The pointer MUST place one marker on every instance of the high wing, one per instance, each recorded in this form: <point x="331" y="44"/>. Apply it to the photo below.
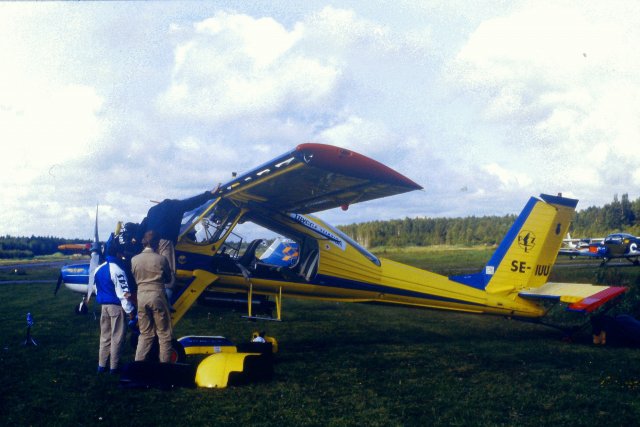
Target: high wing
<point x="579" y="297"/>
<point x="316" y="177"/>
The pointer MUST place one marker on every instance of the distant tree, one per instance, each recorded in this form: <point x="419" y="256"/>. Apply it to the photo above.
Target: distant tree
<point x="619" y="215"/>
<point x="27" y="247"/>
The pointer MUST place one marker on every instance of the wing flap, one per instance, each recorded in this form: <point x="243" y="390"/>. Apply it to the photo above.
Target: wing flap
<point x="581" y="297"/>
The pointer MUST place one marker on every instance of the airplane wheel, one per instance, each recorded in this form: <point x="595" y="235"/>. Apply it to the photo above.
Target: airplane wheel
<point x="177" y="354"/>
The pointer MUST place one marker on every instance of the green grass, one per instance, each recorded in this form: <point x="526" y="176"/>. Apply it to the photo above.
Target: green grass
<point x="43" y="258"/>
<point x="30" y="274"/>
<point x="338" y="364"/>
<point x="440" y="259"/>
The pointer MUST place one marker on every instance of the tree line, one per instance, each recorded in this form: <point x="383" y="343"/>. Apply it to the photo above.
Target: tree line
<point x="28" y="247"/>
<point x="619" y="215"/>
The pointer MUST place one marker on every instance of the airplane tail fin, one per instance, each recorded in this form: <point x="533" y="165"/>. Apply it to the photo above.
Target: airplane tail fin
<point x="530" y="248"/>
<point x="525" y="256"/>
<point x="522" y="263"/>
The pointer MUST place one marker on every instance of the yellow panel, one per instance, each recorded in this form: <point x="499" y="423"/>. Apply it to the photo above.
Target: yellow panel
<point x="202" y="279"/>
<point x="520" y="260"/>
<point x="213" y="372"/>
<point x="209" y="349"/>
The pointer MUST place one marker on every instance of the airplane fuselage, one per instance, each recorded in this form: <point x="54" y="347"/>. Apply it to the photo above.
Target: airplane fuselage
<point x="333" y="267"/>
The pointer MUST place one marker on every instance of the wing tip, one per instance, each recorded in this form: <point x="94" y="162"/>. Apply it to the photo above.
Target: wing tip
<point x="335" y="158"/>
<point x="590" y="303"/>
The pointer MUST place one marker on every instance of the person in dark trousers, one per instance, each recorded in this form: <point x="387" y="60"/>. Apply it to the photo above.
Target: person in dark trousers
<point x="165" y="219"/>
<point x="620" y="330"/>
<point x="112" y="291"/>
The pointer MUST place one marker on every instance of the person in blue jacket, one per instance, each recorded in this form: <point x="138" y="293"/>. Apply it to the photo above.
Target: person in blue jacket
<point x="113" y="293"/>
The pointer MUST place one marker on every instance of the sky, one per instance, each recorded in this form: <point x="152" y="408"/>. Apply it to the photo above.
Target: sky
<point x="117" y="104"/>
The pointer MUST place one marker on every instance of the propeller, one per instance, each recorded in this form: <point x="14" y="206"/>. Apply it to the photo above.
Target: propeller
<point x="55" y="292"/>
<point x="93" y="264"/>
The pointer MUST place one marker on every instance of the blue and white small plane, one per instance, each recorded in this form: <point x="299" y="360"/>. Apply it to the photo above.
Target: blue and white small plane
<point x="616" y="245"/>
<point x="79" y="277"/>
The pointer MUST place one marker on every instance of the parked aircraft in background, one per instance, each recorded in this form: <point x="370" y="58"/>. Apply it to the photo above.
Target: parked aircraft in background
<point x="616" y="245"/>
<point x="79" y="277"/>
<point x="75" y="248"/>
<point x="573" y="243"/>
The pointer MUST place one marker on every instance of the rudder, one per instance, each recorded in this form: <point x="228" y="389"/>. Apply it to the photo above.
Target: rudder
<point x="529" y="250"/>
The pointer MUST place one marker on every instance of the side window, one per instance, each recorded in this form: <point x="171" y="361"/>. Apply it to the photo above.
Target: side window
<point x="252" y="242"/>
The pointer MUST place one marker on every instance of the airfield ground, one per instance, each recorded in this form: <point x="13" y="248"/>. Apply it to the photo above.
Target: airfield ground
<point x="339" y="364"/>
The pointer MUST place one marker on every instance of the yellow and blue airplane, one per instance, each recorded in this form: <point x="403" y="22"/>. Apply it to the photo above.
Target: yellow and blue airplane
<point x="279" y="197"/>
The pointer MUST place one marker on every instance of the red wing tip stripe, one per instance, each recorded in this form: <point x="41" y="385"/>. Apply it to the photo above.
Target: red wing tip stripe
<point x="351" y="163"/>
<point x="594" y="301"/>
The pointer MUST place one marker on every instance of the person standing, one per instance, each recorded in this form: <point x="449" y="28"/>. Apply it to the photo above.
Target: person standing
<point x="165" y="219"/>
<point x="151" y="271"/>
<point x="112" y="292"/>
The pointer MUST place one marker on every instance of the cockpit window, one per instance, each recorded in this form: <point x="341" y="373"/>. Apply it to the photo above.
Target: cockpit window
<point x="208" y="223"/>
<point x="615" y="239"/>
<point x="371" y="257"/>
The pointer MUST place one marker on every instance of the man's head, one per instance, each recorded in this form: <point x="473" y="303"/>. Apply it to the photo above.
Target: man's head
<point x="150" y="240"/>
<point x="112" y="248"/>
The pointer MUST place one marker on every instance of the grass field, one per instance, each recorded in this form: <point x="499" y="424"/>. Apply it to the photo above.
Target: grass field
<point x="339" y="364"/>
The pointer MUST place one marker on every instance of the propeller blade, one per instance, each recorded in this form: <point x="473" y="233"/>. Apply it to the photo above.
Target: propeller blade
<point x="55" y="292"/>
<point x="95" y="260"/>
<point x="96" y="239"/>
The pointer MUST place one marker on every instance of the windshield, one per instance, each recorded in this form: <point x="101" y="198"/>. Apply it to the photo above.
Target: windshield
<point x="208" y="222"/>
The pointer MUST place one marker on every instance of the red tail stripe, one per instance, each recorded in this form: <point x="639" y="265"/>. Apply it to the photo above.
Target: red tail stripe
<point x="594" y="301"/>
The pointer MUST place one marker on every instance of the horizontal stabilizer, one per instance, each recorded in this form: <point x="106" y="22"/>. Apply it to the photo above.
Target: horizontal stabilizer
<point x="580" y="296"/>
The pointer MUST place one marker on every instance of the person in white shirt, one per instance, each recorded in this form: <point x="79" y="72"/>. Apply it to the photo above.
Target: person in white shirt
<point x="112" y="291"/>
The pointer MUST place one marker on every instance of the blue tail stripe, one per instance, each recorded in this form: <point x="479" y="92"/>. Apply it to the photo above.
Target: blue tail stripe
<point x="512" y="234"/>
<point x="482" y="279"/>
<point x="476" y="280"/>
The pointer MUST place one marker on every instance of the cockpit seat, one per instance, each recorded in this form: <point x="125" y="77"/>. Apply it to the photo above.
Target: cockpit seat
<point x="249" y="255"/>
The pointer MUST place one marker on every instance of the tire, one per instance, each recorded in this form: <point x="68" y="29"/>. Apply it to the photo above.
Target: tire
<point x="177" y="354"/>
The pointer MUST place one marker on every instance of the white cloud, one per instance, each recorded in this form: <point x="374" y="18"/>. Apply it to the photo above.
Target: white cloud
<point x="359" y="134"/>
<point x="42" y="129"/>
<point x="235" y="65"/>
<point x="477" y="105"/>
<point x="509" y="179"/>
<point x="561" y="77"/>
